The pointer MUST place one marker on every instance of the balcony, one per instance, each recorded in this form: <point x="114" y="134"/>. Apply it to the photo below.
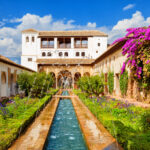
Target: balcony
<point x="81" y="42"/>
<point x="64" y="43"/>
<point x="47" y="43"/>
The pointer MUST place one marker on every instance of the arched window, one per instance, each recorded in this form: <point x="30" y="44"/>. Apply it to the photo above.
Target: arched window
<point x="49" y="54"/>
<point x="66" y="53"/>
<point x="77" y="53"/>
<point x="3" y="78"/>
<point x="83" y="54"/>
<point x="27" y="39"/>
<point x="60" y="54"/>
<point x="43" y="54"/>
<point x="32" y="39"/>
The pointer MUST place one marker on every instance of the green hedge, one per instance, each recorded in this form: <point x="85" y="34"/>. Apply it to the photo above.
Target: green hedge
<point x="23" y="111"/>
<point x="130" y="125"/>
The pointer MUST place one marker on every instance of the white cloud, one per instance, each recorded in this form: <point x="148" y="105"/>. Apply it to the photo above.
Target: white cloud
<point x="2" y="23"/>
<point x="129" y="6"/>
<point x="91" y="25"/>
<point x="119" y="30"/>
<point x="10" y="37"/>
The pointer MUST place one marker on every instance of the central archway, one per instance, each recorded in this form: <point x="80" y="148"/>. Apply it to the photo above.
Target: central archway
<point x="64" y="79"/>
<point x="77" y="76"/>
<point x="54" y="78"/>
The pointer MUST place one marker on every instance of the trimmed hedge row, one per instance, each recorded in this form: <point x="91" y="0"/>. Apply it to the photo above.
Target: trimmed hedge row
<point x="23" y="111"/>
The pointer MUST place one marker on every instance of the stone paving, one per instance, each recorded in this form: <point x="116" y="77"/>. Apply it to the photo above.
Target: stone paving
<point x="132" y="101"/>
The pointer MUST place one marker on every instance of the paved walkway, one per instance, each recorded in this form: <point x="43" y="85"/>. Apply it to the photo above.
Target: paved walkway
<point x="132" y="101"/>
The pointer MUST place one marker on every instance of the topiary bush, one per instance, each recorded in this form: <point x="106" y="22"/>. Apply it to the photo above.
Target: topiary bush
<point x="124" y="83"/>
<point x="110" y="81"/>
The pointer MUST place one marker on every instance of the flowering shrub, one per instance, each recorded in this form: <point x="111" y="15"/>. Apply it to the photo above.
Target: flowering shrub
<point x="137" y="49"/>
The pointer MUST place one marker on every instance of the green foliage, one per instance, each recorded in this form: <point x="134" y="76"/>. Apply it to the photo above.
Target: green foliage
<point x="25" y="82"/>
<point x="35" y="84"/>
<point x="127" y="123"/>
<point x="91" y="85"/>
<point x="124" y="82"/>
<point x="145" y="121"/>
<point x="23" y="110"/>
<point x="97" y="85"/>
<point x="110" y="81"/>
<point x="41" y="84"/>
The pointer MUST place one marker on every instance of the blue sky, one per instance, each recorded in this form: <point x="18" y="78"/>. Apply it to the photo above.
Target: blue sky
<point x="110" y="16"/>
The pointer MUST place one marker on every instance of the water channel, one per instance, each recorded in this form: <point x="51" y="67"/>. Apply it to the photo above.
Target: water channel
<point x="65" y="132"/>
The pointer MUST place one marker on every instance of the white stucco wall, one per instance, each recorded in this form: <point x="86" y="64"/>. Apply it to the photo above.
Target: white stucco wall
<point x="5" y="89"/>
<point x="33" y="50"/>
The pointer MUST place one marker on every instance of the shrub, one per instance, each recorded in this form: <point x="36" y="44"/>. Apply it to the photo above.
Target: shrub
<point x="25" y="82"/>
<point x="110" y="81"/>
<point x="42" y="82"/>
<point x="124" y="82"/>
<point x="91" y="85"/>
<point x="36" y="84"/>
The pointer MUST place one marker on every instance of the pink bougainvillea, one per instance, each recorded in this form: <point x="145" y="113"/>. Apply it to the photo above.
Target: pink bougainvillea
<point x="137" y="51"/>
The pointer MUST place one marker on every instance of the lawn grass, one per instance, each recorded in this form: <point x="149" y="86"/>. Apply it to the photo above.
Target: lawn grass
<point x="129" y="124"/>
<point x="21" y="114"/>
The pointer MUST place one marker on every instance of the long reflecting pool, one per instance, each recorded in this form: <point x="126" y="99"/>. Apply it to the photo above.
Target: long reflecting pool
<point x="65" y="133"/>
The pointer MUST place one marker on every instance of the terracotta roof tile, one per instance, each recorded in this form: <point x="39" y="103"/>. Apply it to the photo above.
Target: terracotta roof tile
<point x="72" y="33"/>
<point x="67" y="33"/>
<point x="10" y="62"/>
<point x="65" y="61"/>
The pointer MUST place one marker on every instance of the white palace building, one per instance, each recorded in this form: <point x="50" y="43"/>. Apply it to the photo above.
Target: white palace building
<point x="61" y="45"/>
<point x="70" y="54"/>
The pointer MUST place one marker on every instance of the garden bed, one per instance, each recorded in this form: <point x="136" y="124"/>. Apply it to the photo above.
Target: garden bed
<point x="129" y="124"/>
<point x="20" y="115"/>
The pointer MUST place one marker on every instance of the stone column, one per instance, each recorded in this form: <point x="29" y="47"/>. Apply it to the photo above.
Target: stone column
<point x="56" y="82"/>
<point x="72" y="42"/>
<point x="73" y="81"/>
<point x="55" y="43"/>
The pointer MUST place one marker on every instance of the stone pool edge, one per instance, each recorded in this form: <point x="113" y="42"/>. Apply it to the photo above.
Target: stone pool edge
<point x="91" y="141"/>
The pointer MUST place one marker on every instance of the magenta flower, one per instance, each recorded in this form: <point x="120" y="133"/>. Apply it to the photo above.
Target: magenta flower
<point x="148" y="61"/>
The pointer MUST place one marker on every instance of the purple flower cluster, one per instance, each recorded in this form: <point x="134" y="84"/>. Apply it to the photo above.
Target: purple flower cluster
<point x="134" y="48"/>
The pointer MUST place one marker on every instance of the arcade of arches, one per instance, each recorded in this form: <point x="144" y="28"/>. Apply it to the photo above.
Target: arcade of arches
<point x="66" y="76"/>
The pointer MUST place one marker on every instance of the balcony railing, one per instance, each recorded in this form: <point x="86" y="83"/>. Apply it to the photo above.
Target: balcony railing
<point x="81" y="46"/>
<point x="64" y="45"/>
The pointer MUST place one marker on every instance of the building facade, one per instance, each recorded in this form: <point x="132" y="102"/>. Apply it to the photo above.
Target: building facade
<point x="8" y="76"/>
<point x="60" y="45"/>
<point x="73" y="54"/>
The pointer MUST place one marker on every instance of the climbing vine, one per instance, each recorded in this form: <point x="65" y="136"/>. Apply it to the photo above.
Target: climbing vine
<point x="110" y="81"/>
<point x="137" y="49"/>
<point x="124" y="82"/>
